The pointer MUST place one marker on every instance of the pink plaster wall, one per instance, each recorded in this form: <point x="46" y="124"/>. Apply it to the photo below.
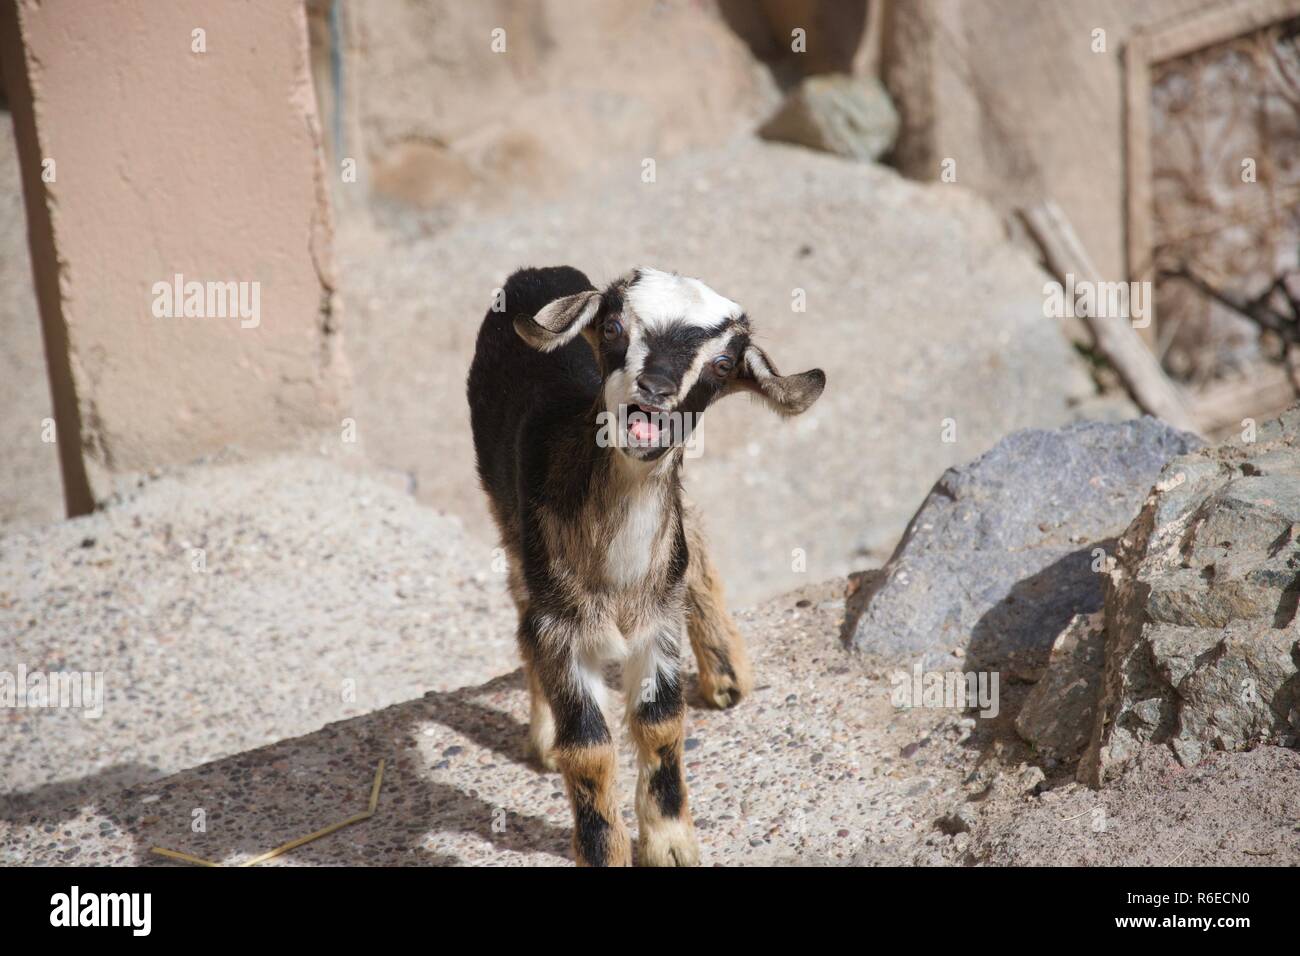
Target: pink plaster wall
<point x="173" y="161"/>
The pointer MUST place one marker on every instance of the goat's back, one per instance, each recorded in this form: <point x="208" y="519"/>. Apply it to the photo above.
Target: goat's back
<point x="519" y="398"/>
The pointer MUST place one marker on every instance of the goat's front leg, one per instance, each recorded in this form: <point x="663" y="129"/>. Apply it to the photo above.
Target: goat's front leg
<point x="584" y="749"/>
<point x="652" y="684"/>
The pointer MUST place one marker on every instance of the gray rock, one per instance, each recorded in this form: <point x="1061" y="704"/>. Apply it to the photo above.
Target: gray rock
<point x="1000" y="555"/>
<point x="1058" y="714"/>
<point x="1202" y="641"/>
<point x="1029" y="779"/>
<point x="845" y="115"/>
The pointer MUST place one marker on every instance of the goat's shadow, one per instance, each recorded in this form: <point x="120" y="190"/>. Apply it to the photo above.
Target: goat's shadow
<point x="251" y="802"/>
<point x="246" y="804"/>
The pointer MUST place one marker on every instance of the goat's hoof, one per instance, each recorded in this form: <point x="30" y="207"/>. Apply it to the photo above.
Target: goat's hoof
<point x="725" y="698"/>
<point x="721" y="695"/>
<point x="669" y="844"/>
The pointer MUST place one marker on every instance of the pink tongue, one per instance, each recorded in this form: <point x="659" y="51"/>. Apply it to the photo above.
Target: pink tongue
<point x="642" y="429"/>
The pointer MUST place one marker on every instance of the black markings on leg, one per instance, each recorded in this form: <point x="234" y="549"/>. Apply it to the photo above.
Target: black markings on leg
<point x="666" y="783"/>
<point x="718" y="660"/>
<point x="666" y="703"/>
<point x="578" y="721"/>
<point x="578" y="718"/>
<point x="591" y="830"/>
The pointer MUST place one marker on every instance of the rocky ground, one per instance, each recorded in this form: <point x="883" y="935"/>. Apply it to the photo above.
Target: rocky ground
<point x="230" y="605"/>
<point x="339" y="622"/>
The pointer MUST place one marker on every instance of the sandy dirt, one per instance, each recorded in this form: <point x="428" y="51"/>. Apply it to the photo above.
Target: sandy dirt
<point x="318" y="574"/>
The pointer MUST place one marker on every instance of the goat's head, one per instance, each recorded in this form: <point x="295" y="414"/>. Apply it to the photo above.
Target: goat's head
<point x="667" y="346"/>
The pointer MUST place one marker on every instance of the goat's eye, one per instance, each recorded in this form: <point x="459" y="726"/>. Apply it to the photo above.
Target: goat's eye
<point x="613" y="330"/>
<point x="723" y="365"/>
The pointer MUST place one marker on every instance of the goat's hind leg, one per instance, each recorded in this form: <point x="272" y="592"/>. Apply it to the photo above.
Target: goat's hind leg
<point x="720" y="653"/>
<point x="541" y="722"/>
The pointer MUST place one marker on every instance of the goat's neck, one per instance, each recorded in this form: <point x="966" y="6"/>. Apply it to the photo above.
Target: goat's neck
<point x="626" y="491"/>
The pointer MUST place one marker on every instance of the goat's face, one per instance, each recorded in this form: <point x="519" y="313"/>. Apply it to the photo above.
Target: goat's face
<point x="668" y="346"/>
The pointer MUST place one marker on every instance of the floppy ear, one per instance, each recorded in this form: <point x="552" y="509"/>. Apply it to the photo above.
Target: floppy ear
<point x="559" y="322"/>
<point x="786" y="394"/>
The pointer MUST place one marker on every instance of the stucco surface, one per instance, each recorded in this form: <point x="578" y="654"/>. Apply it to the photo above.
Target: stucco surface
<point x="218" y="180"/>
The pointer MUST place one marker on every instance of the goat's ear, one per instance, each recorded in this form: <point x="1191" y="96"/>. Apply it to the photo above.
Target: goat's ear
<point x="559" y="322"/>
<point x="786" y="394"/>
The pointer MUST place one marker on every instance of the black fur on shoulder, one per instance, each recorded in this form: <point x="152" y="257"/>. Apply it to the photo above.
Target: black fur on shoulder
<point x="518" y="395"/>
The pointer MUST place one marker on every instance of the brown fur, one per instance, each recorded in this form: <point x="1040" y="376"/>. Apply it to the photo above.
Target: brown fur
<point x="665" y="837"/>
<point x="589" y="776"/>
<point x="580" y="548"/>
<point x="720" y="654"/>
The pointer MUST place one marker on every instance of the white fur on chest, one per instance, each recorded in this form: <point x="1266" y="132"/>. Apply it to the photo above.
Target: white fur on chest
<point x="633" y="546"/>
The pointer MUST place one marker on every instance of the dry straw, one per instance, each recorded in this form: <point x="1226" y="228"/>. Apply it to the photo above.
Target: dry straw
<point x="292" y="844"/>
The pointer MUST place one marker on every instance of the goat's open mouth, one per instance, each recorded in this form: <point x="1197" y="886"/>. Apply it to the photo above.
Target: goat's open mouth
<point x="648" y="426"/>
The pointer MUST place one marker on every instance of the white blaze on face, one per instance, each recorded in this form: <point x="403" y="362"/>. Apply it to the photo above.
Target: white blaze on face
<point x="705" y="353"/>
<point x="661" y="299"/>
<point x="657" y="301"/>
<point x="654" y="304"/>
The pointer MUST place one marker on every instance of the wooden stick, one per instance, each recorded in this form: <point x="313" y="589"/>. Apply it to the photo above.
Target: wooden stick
<point x="867" y="57"/>
<point x="1115" y="337"/>
<point x="1266" y="391"/>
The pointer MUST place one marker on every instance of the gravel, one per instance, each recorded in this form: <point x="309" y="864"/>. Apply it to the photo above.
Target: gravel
<point x="323" y="594"/>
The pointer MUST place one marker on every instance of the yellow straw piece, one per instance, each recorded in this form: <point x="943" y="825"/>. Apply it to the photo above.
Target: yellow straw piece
<point x="292" y="844"/>
<point x="183" y="856"/>
<point x="1077" y="815"/>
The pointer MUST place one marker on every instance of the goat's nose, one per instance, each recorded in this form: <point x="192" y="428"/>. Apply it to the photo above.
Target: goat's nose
<point x="655" y="386"/>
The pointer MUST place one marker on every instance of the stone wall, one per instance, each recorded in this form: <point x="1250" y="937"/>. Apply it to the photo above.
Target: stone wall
<point x="496" y="100"/>
<point x="1013" y="91"/>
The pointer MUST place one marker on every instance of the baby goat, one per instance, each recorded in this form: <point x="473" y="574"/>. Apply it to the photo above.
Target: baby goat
<point x="580" y="402"/>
